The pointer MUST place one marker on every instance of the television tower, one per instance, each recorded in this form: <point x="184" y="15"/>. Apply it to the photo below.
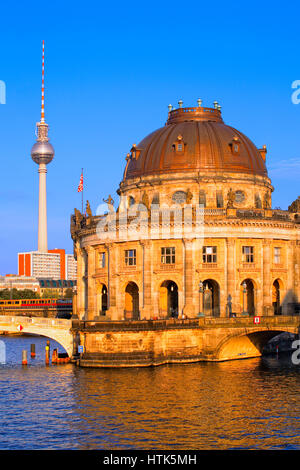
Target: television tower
<point x="42" y="153"/>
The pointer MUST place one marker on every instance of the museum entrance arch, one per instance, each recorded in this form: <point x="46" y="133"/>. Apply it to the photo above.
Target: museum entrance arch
<point x="131" y="311"/>
<point x="247" y="291"/>
<point x="211" y="298"/>
<point x="168" y="299"/>
<point x="102" y="299"/>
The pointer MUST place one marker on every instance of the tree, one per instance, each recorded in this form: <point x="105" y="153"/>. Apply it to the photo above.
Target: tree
<point x="50" y="294"/>
<point x="68" y="293"/>
<point x="27" y="294"/>
<point x="16" y="294"/>
<point x="5" y="294"/>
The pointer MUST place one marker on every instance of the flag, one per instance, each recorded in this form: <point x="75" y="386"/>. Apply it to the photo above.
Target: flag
<point x="80" y="186"/>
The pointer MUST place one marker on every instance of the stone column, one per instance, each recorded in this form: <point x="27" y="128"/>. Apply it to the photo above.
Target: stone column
<point x="80" y="283"/>
<point x="112" y="272"/>
<point x="91" y="286"/>
<point x="146" y="306"/>
<point x="291" y="266"/>
<point x="297" y="270"/>
<point x="266" y="307"/>
<point x="231" y="280"/>
<point x="118" y="311"/>
<point x="290" y="293"/>
<point x="190" y="309"/>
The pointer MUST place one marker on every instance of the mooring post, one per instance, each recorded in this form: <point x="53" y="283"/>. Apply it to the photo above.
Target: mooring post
<point x="32" y="350"/>
<point x="54" y="356"/>
<point x="47" y="350"/>
<point x="24" y="357"/>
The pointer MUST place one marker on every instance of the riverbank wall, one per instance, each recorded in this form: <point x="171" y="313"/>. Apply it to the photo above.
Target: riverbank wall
<point x="153" y="343"/>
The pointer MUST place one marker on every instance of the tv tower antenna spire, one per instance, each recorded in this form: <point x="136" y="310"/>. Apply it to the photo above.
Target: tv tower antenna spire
<point x="43" y="85"/>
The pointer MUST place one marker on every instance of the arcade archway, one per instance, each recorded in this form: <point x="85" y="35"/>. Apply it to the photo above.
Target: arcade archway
<point x="168" y="299"/>
<point x="102" y="299"/>
<point x="131" y="311"/>
<point x="211" y="298"/>
<point x="247" y="295"/>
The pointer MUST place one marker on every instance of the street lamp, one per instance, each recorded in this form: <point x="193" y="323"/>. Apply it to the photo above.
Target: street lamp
<point x="200" y="314"/>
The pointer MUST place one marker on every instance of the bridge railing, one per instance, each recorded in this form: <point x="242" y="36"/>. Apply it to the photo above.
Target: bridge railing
<point x="35" y="321"/>
<point x="202" y="322"/>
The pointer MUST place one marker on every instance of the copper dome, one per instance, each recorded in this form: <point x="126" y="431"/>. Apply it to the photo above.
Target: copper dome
<point x="208" y="146"/>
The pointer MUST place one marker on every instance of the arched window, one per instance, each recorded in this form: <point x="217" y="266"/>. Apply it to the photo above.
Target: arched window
<point x="220" y="202"/>
<point x="202" y="198"/>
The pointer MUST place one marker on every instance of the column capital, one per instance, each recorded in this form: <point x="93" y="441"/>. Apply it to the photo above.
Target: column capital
<point x="145" y="243"/>
<point x="188" y="241"/>
<point x="230" y="241"/>
<point x="108" y="246"/>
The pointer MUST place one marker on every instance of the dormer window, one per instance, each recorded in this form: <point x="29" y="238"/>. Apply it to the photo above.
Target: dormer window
<point x="235" y="145"/>
<point x="263" y="152"/>
<point x="135" y="152"/>
<point x="178" y="145"/>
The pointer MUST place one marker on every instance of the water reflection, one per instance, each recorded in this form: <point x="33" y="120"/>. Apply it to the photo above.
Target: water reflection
<point x="240" y="404"/>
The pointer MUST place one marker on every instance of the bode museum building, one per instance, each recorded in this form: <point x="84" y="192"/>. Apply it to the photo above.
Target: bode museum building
<point x="194" y="233"/>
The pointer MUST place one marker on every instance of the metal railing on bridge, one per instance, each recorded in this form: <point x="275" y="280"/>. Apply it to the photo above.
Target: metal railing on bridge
<point x="178" y="323"/>
<point x="36" y="321"/>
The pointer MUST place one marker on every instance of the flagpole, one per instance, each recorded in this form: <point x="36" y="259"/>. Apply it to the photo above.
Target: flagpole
<point x="82" y="191"/>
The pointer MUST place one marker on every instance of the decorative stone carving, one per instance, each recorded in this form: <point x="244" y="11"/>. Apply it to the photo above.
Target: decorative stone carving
<point x="258" y="204"/>
<point x="295" y="206"/>
<point x="145" y="200"/>
<point x="267" y="201"/>
<point x="189" y="196"/>
<point x="88" y="210"/>
<point x="230" y="198"/>
<point x="78" y="217"/>
<point x="110" y="202"/>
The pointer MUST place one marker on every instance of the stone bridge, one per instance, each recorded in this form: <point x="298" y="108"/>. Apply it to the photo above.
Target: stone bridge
<point x="155" y="342"/>
<point x="57" y="329"/>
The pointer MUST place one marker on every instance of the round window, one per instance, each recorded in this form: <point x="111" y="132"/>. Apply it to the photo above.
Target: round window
<point x="179" y="197"/>
<point x="239" y="197"/>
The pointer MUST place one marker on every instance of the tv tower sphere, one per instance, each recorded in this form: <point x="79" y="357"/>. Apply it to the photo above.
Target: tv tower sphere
<point x="42" y="151"/>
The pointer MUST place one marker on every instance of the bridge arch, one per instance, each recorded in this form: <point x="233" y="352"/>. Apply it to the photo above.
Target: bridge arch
<point x="56" y="329"/>
<point x="247" y="344"/>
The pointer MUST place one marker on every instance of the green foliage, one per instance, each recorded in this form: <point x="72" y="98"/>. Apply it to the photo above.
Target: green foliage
<point x="68" y="293"/>
<point x="16" y="294"/>
<point x="51" y="294"/>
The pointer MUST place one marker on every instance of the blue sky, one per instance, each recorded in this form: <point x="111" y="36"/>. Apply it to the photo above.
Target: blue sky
<point x="111" y="70"/>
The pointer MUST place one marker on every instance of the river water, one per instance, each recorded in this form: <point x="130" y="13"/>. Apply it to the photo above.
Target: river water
<point x="246" y="404"/>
